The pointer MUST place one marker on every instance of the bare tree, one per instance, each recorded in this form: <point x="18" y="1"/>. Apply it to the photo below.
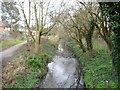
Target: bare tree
<point x="40" y="20"/>
<point x="40" y="23"/>
<point x="27" y="22"/>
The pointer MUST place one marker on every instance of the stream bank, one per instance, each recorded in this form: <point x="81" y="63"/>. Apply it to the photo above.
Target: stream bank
<point x="63" y="71"/>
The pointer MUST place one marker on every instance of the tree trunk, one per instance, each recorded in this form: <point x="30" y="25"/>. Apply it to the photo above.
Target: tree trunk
<point x="37" y="45"/>
<point x="109" y="44"/>
<point x="105" y="37"/>
<point x="89" y="46"/>
<point x="39" y="24"/>
<point x="81" y="45"/>
<point x="105" y="32"/>
<point x="89" y="37"/>
<point x="89" y="43"/>
<point x="40" y="37"/>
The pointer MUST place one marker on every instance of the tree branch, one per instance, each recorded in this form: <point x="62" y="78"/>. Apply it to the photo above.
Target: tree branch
<point x="28" y="27"/>
<point x="51" y="27"/>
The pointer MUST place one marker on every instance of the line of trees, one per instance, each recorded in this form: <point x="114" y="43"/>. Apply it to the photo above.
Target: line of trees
<point x="90" y="18"/>
<point x="80" y="23"/>
<point x="37" y="9"/>
<point x="40" y="20"/>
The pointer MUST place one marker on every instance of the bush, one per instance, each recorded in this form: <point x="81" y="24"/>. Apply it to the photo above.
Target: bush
<point x="38" y="63"/>
<point x="27" y="81"/>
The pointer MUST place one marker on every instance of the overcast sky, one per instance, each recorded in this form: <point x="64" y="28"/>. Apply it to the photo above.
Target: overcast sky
<point x="54" y="4"/>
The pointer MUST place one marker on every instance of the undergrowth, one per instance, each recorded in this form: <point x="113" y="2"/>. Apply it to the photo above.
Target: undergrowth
<point x="37" y="65"/>
<point x="98" y="70"/>
<point x="38" y="68"/>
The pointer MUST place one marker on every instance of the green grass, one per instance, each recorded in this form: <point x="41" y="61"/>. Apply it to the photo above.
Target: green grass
<point x="10" y="43"/>
<point x="97" y="70"/>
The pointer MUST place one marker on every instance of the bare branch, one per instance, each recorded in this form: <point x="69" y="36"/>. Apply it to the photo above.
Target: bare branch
<point x="28" y="27"/>
<point x="49" y="29"/>
<point x="47" y="11"/>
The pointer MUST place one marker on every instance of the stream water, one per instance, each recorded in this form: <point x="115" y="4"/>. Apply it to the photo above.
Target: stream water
<point x="63" y="72"/>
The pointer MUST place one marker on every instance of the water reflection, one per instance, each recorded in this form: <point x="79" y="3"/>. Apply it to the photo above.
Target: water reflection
<point x="62" y="73"/>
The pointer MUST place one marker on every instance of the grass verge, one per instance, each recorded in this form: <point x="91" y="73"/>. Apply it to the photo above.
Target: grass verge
<point x="5" y="45"/>
<point x="98" y="70"/>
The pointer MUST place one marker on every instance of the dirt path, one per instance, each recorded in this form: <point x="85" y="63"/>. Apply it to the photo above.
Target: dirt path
<point x="4" y="55"/>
